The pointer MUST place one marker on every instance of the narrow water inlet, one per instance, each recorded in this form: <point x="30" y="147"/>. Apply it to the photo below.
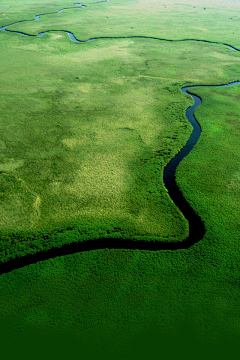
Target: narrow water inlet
<point x="196" y="226"/>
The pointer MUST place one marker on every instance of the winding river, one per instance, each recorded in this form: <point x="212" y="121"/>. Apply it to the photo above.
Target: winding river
<point x="196" y="226"/>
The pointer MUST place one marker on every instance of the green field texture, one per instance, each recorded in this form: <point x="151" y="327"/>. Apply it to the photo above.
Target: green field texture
<point x="15" y="10"/>
<point x="117" y="297"/>
<point x="172" y="20"/>
<point x="68" y="109"/>
<point x="215" y="165"/>
<point x="87" y="131"/>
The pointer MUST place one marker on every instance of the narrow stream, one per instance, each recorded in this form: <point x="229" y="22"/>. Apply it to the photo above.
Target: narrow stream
<point x="196" y="226"/>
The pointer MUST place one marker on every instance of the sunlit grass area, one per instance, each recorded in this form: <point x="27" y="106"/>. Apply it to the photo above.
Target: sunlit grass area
<point x="172" y="20"/>
<point x="15" y="10"/>
<point x="88" y="129"/>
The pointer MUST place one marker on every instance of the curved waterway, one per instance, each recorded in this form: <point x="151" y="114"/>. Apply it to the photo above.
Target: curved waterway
<point x="73" y="38"/>
<point x="196" y="226"/>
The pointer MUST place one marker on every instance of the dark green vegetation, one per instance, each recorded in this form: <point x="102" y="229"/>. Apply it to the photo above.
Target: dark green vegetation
<point x="109" y="115"/>
<point x="110" y="297"/>
<point x="216" y="169"/>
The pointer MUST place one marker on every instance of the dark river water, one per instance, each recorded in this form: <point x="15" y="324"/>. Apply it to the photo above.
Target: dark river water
<point x="196" y="226"/>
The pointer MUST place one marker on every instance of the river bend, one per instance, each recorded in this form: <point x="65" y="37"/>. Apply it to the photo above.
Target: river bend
<point x="196" y="226"/>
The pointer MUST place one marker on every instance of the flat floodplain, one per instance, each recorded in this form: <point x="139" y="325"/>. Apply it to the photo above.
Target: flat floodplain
<point x="205" y="20"/>
<point x="91" y="138"/>
<point x="86" y="130"/>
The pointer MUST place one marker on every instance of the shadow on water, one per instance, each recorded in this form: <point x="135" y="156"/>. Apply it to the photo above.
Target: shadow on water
<point x="196" y="226"/>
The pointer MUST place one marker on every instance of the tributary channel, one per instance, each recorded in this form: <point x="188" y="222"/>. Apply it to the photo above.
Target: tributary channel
<point x="196" y="226"/>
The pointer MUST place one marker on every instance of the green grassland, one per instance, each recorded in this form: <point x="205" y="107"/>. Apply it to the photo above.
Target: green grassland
<point x="177" y="20"/>
<point x="215" y="166"/>
<point x="86" y="130"/>
<point x="84" y="146"/>
<point x="12" y="11"/>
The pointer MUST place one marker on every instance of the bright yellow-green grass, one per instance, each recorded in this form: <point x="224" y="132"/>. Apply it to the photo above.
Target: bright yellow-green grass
<point x="83" y="131"/>
<point x="88" y="128"/>
<point x="165" y="19"/>
<point x="15" y="10"/>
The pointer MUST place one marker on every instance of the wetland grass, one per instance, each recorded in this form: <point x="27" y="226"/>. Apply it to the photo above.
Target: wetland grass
<point x="109" y="115"/>
<point x="90" y="139"/>
<point x="158" y="19"/>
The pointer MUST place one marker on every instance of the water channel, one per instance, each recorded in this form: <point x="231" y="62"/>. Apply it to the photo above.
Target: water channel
<point x="196" y="226"/>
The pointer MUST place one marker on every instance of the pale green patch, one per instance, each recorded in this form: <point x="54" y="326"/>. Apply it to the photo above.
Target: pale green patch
<point x="16" y="204"/>
<point x="11" y="165"/>
<point x="234" y="184"/>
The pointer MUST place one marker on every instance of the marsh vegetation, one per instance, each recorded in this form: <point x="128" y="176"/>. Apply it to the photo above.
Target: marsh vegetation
<point x="86" y="130"/>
